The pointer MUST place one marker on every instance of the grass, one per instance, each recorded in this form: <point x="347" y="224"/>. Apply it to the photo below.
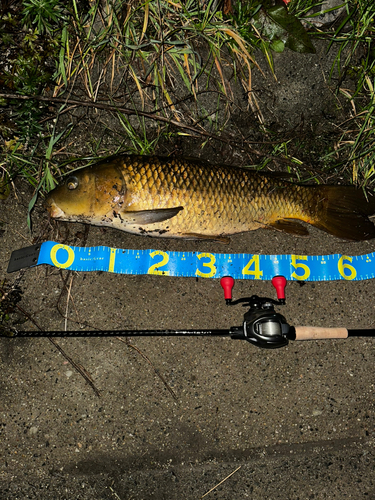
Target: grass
<point x="358" y="139"/>
<point x="163" y="58"/>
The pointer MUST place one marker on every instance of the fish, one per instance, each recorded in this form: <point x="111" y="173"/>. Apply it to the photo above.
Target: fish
<point x="194" y="199"/>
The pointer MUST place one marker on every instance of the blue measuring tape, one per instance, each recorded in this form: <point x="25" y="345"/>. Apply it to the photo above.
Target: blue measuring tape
<point x="196" y="264"/>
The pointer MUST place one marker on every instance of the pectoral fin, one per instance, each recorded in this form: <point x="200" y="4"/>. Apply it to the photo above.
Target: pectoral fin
<point x="289" y="226"/>
<point x="144" y="217"/>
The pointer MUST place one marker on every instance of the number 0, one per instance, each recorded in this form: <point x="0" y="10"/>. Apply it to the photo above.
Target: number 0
<point x="69" y="261"/>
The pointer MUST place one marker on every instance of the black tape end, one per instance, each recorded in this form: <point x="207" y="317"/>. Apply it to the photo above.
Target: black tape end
<point x="24" y="257"/>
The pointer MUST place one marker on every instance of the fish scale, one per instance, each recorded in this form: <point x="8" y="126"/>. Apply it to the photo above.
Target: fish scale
<point x="193" y="199"/>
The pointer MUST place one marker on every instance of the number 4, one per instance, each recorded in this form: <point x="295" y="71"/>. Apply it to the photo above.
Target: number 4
<point x="256" y="272"/>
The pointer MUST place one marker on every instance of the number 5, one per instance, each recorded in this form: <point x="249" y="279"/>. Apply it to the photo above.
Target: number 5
<point x="298" y="265"/>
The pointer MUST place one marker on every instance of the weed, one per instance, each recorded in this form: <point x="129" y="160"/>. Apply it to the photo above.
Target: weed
<point x="10" y="296"/>
<point x="26" y="70"/>
<point x="354" y="36"/>
<point x="45" y="15"/>
<point x="4" y="186"/>
<point x="150" y="53"/>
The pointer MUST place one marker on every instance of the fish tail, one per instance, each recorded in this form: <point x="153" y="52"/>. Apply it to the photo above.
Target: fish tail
<point x="343" y="212"/>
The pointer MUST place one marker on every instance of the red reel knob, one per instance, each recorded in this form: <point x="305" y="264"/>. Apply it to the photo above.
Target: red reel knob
<point x="227" y="283"/>
<point x="279" y="282"/>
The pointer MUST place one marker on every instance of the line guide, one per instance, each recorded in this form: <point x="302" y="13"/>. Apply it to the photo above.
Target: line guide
<point x="196" y="264"/>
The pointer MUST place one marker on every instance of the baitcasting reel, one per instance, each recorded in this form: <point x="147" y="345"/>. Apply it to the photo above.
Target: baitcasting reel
<point x="262" y="326"/>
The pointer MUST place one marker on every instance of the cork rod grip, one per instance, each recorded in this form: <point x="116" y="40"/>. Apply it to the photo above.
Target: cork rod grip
<point x="317" y="333"/>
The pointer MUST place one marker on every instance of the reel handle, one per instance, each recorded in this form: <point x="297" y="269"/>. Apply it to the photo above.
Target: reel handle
<point x="279" y="282"/>
<point x="227" y="283"/>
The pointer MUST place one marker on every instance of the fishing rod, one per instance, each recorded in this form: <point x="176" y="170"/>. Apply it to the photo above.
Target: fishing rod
<point x="262" y="326"/>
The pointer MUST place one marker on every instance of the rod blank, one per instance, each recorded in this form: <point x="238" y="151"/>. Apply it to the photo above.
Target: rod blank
<point x="296" y="333"/>
<point x="121" y="333"/>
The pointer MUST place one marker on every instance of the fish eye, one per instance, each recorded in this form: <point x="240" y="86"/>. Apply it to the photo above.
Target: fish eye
<point x="72" y="182"/>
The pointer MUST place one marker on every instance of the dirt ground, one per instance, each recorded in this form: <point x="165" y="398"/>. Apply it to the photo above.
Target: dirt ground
<point x="293" y="423"/>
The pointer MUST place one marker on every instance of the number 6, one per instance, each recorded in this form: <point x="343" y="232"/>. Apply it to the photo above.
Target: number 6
<point x="341" y="267"/>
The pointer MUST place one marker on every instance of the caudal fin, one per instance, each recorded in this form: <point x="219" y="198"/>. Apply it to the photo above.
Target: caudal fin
<point x="343" y="211"/>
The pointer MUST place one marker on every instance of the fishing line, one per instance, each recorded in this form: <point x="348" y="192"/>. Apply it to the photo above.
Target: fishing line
<point x="196" y="264"/>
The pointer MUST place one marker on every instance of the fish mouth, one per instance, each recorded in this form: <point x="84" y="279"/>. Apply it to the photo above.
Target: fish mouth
<point x="54" y="211"/>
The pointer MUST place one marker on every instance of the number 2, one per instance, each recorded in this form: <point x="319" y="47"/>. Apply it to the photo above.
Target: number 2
<point x="154" y="269"/>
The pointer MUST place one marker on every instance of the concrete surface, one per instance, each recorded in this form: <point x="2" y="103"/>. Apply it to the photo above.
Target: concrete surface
<point x="294" y="423"/>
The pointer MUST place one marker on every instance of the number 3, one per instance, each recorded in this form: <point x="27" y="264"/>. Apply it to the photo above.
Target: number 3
<point x="209" y="264"/>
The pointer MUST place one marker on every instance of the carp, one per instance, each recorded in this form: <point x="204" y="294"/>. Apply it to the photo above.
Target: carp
<point x="190" y="198"/>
